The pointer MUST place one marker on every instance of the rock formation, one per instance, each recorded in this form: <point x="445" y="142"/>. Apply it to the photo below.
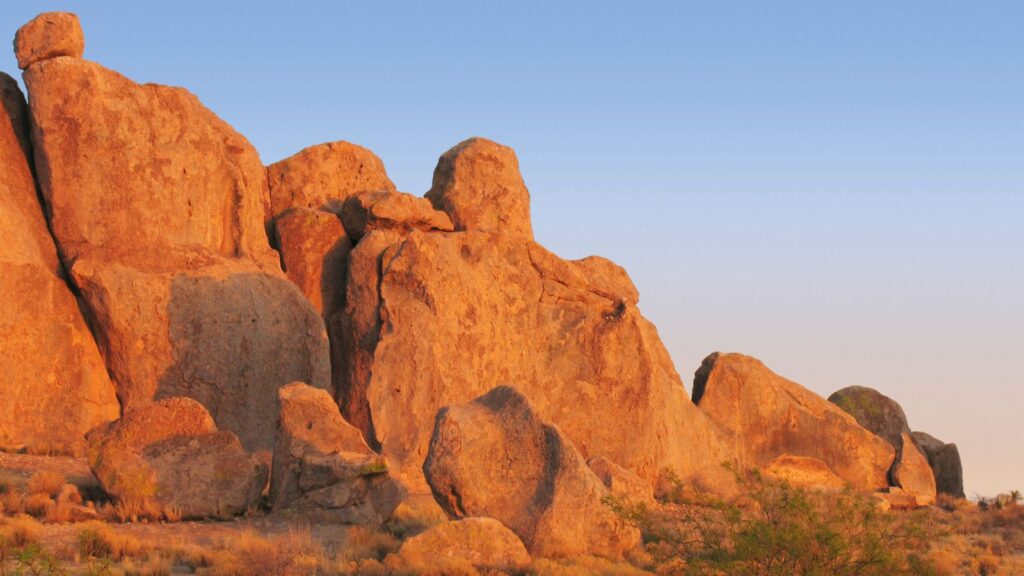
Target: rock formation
<point x="804" y="472"/>
<point x="53" y="384"/>
<point x="495" y="457"/>
<point x="764" y="416"/>
<point x="314" y="253"/>
<point x="370" y="211"/>
<point x="433" y="319"/>
<point x="875" y="411"/>
<point x="621" y="483"/>
<point x="912" y="473"/>
<point x="322" y="464"/>
<point x="171" y="454"/>
<point x="157" y="207"/>
<point x="479" y="543"/>
<point x="944" y="460"/>
<point x="47" y="36"/>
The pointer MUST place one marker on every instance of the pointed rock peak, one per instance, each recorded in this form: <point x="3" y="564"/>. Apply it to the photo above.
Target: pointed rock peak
<point x="479" y="185"/>
<point x="49" y="35"/>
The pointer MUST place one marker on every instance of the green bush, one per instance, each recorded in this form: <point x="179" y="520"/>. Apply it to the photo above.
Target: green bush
<point x="776" y="529"/>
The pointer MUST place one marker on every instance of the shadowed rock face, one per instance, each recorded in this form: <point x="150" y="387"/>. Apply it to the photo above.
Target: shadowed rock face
<point x="434" y="319"/>
<point x="158" y="210"/>
<point x="944" y="460"/>
<point x="494" y="457"/>
<point x="764" y="416"/>
<point x="874" y="411"/>
<point x="314" y="253"/>
<point x="912" y="473"/>
<point x="53" y="381"/>
<point x="171" y="453"/>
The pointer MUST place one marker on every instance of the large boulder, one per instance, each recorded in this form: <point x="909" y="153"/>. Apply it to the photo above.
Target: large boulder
<point x="912" y="473"/>
<point x="399" y="211"/>
<point x="763" y="416"/>
<point x="944" y="460"/>
<point x="314" y="253"/>
<point x="171" y="455"/>
<point x="495" y="457"/>
<point x="874" y="411"/>
<point x="321" y="463"/>
<point x="157" y="206"/>
<point x="478" y="184"/>
<point x="433" y="319"/>
<point x="49" y="35"/>
<point x="321" y="177"/>
<point x="53" y="385"/>
<point x="477" y="543"/>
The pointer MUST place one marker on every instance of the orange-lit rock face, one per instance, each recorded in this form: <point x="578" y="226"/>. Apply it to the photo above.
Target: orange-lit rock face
<point x="322" y="176"/>
<point x="53" y="384"/>
<point x="171" y="452"/>
<point x="479" y="542"/>
<point x="804" y="472"/>
<point x="439" y="318"/>
<point x="48" y="35"/>
<point x="478" y="184"/>
<point x="368" y="211"/>
<point x="495" y="457"/>
<point x="158" y="209"/>
<point x="764" y="416"/>
<point x="314" y="251"/>
<point x="944" y="460"/>
<point x="912" y="473"/>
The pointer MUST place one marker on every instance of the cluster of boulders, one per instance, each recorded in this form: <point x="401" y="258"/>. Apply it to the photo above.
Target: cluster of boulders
<point x="211" y="327"/>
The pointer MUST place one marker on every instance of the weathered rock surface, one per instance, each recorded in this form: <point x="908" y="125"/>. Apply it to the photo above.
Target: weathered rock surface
<point x="475" y="542"/>
<point x="434" y="319"/>
<point x="944" y="460"/>
<point x="874" y="411"/>
<point x="314" y="252"/>
<point x="495" y="457"/>
<point x="764" y="416"/>
<point x="171" y="453"/>
<point x="620" y="482"/>
<point x="49" y="35"/>
<point x="478" y="184"/>
<point x="398" y="211"/>
<point x="804" y="472"/>
<point x="912" y="473"/>
<point x="54" y="385"/>
<point x="321" y="462"/>
<point x="158" y="209"/>
<point x="322" y="176"/>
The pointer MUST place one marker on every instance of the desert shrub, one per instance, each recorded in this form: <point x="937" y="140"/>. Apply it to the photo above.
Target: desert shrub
<point x="98" y="541"/>
<point x="776" y="529"/>
<point x="364" y="543"/>
<point x="48" y="482"/>
<point x="20" y="531"/>
<point x="38" y="504"/>
<point x="249" y="554"/>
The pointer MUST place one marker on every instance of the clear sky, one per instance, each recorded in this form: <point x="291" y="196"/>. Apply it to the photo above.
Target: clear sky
<point x="836" y="188"/>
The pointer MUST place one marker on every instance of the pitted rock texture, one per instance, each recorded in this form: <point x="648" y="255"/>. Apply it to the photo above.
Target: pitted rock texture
<point x="478" y="184"/>
<point x="314" y="253"/>
<point x="54" y="385"/>
<point x="763" y="416"/>
<point x="49" y="35"/>
<point x="171" y="453"/>
<point x="321" y="462"/>
<point x="480" y="543"/>
<point x="434" y="319"/>
<point x="157" y="207"/>
<point x="322" y="176"/>
<point x="495" y="457"/>
<point x="398" y="211"/>
<point x="944" y="460"/>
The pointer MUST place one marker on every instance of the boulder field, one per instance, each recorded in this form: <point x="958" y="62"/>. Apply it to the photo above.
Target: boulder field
<point x="217" y="334"/>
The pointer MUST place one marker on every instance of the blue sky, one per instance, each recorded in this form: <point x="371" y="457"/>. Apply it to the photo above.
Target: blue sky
<point x="836" y="188"/>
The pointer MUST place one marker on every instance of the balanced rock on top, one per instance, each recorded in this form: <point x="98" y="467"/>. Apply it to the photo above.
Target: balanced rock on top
<point x="49" y="35"/>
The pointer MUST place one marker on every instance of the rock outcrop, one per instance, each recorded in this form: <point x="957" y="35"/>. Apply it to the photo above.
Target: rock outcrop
<point x="495" y="457"/>
<point x="157" y="207"/>
<point x="433" y="319"/>
<point x="478" y="543"/>
<point x="875" y="411"/>
<point x="804" y="472"/>
<point x="322" y="464"/>
<point x="621" y="483"/>
<point x="398" y="211"/>
<point x="912" y="473"/>
<point x="478" y="184"/>
<point x="170" y="453"/>
<point x="321" y="177"/>
<point x="314" y="253"/>
<point x="53" y="385"/>
<point x="944" y="460"/>
<point x="764" y="416"/>
<point x="49" y="35"/>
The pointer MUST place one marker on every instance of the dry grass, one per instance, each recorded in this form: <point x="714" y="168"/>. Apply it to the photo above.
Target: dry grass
<point x="39" y="505"/>
<point x="48" y="482"/>
<point x="98" y="540"/>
